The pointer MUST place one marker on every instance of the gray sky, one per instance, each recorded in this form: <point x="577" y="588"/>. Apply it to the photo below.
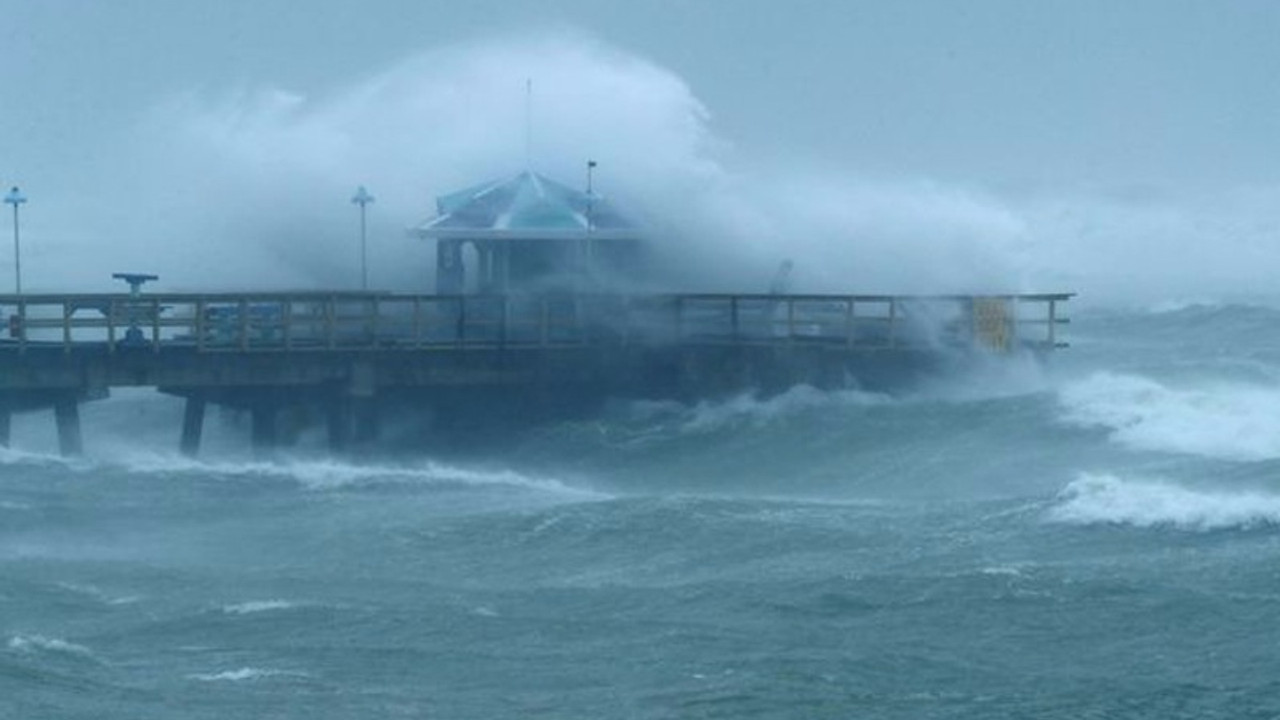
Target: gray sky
<point x="1006" y="99"/>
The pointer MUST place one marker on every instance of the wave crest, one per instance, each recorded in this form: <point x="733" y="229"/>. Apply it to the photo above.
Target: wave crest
<point x="1225" y="421"/>
<point x="40" y="643"/>
<point x="1106" y="499"/>
<point x="337" y="475"/>
<point x="244" y="674"/>
<point x="748" y="409"/>
<point x="257" y="606"/>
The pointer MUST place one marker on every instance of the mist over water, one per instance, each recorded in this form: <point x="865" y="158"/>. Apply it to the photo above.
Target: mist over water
<point x="250" y="184"/>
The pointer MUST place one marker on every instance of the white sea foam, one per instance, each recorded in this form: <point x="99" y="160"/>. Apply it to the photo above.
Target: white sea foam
<point x="328" y="474"/>
<point x="1224" y="421"/>
<point x="244" y="674"/>
<point x="1106" y="499"/>
<point x="710" y="416"/>
<point x="40" y="643"/>
<point x="16" y="456"/>
<point x="257" y="606"/>
<point x="97" y="594"/>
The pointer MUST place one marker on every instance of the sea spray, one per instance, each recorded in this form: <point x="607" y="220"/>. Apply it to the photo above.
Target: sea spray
<point x="1107" y="499"/>
<point x="1209" y="419"/>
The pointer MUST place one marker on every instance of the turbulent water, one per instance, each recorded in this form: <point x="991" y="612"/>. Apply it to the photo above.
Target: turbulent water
<point x="1099" y="538"/>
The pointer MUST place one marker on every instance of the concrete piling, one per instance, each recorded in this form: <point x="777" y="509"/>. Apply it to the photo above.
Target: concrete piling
<point x="366" y="417"/>
<point x="66" y="411"/>
<point x="338" y="418"/>
<point x="192" y="425"/>
<point x="264" y="416"/>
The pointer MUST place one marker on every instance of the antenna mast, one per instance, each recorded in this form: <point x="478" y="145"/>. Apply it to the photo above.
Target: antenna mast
<point x="528" y="123"/>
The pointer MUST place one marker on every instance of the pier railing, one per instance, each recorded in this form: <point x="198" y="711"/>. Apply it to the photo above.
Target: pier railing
<point x="317" y="322"/>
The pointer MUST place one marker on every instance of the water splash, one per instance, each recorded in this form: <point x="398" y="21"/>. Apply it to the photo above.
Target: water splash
<point x="1222" y="421"/>
<point x="1107" y="499"/>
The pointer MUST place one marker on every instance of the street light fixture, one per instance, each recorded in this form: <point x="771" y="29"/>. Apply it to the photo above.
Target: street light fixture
<point x="363" y="198"/>
<point x="16" y="198"/>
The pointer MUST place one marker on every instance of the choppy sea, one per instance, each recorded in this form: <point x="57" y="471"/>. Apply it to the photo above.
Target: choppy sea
<point x="1098" y="537"/>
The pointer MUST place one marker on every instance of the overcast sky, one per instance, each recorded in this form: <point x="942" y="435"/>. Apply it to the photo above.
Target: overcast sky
<point x="1002" y="99"/>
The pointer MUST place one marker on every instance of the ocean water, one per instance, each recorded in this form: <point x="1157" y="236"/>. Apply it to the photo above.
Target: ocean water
<point x="1096" y="538"/>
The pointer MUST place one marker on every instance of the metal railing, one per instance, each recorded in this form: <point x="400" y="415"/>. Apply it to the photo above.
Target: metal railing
<point x="316" y="322"/>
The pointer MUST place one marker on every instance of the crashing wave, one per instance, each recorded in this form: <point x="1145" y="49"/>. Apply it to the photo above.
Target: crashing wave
<point x="1106" y="499"/>
<point x="1224" y="421"/>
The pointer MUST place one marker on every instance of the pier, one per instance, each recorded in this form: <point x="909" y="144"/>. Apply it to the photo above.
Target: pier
<point x="349" y="355"/>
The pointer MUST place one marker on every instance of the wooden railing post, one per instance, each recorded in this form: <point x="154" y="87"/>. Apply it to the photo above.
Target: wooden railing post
<point x="200" y="328"/>
<point x="155" y="324"/>
<point x="627" y="309"/>
<point x="848" y="323"/>
<point x="111" y="325"/>
<point x="243" y="306"/>
<point x="286" y="323"/>
<point x="1053" y="323"/>
<point x="330" y="311"/>
<point x="544" y="319"/>
<point x="893" y="322"/>
<point x="462" y="321"/>
<point x="67" y="311"/>
<point x="504" y="318"/>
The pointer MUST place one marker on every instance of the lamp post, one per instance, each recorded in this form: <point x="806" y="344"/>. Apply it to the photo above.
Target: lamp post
<point x="16" y="198"/>
<point x="363" y="198"/>
<point x="588" y="252"/>
<point x="591" y="197"/>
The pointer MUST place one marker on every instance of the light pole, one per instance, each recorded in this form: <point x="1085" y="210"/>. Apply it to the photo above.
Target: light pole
<point x="16" y="198"/>
<point x="363" y="198"/>
<point x="588" y="252"/>
<point x="591" y="166"/>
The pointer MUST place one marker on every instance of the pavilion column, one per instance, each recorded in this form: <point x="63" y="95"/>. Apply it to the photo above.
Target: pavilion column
<point x="504" y="277"/>
<point x="484" y="277"/>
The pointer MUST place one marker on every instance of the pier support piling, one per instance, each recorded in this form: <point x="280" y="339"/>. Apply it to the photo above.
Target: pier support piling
<point x="338" y="417"/>
<point x="6" y="424"/>
<point x="192" y="425"/>
<point x="264" y="417"/>
<point x="66" y="411"/>
<point x="367" y="419"/>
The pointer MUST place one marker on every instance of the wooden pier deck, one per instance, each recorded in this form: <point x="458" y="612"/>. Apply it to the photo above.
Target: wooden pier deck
<point x="265" y="351"/>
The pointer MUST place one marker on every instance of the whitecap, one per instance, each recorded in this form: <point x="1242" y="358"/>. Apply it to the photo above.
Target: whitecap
<point x="40" y="643"/>
<point x="1221" y="421"/>
<point x="331" y="474"/>
<point x="244" y="674"/>
<point x="1106" y="499"/>
<point x="97" y="594"/>
<point x="1002" y="570"/>
<point x="747" y="408"/>
<point x="257" y="606"/>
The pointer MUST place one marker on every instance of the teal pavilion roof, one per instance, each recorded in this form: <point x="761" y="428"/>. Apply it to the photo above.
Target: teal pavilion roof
<point x="526" y="206"/>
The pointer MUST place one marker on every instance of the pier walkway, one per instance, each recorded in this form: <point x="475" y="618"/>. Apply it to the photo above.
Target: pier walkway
<point x="264" y="351"/>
